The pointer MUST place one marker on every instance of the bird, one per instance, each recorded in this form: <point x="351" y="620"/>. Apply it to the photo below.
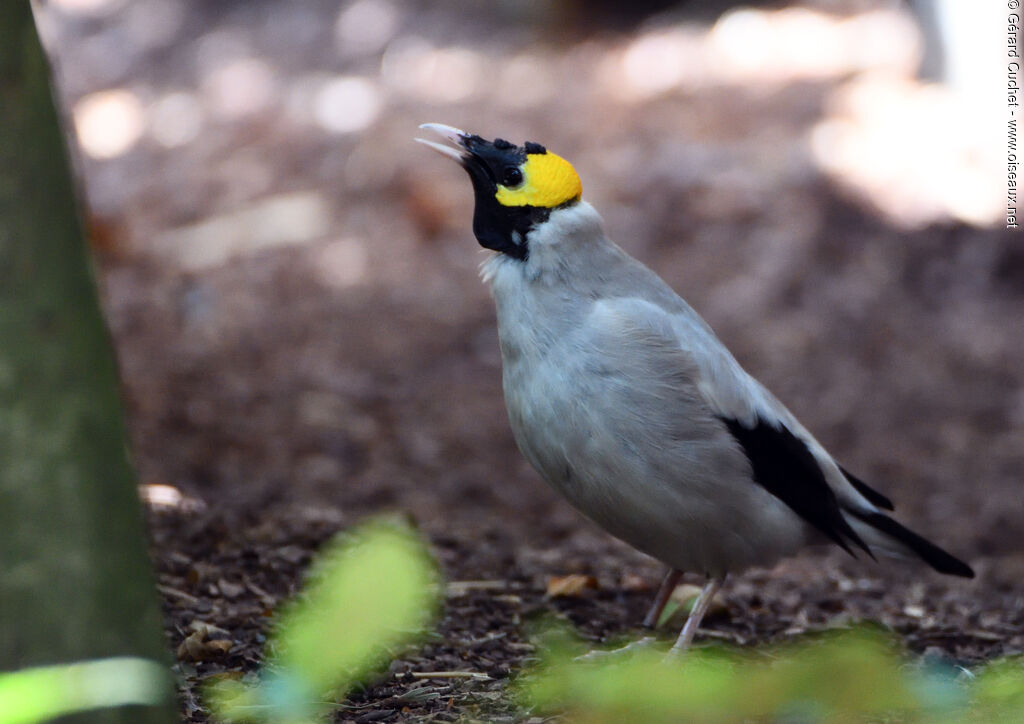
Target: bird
<point x="626" y="402"/>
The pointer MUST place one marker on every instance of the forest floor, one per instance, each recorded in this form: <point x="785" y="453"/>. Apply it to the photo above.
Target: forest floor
<point x="223" y="573"/>
<point x="305" y="342"/>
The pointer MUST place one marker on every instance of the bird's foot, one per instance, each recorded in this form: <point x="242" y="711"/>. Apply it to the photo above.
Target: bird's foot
<point x="675" y="654"/>
<point x="616" y="654"/>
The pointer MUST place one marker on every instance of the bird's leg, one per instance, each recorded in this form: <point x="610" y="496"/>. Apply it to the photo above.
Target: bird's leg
<point x="650" y="620"/>
<point x="700" y="607"/>
<point x="664" y="593"/>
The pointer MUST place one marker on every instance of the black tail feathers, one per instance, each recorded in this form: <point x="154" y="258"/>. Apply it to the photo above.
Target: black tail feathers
<point x="866" y="490"/>
<point x="929" y="552"/>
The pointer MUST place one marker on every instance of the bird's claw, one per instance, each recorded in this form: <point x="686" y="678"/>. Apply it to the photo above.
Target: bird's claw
<point x="615" y="654"/>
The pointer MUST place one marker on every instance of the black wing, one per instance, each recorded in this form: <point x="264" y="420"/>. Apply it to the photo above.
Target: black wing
<point x="784" y="467"/>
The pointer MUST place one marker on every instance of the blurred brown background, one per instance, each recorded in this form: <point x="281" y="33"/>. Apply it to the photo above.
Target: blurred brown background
<point x="292" y="284"/>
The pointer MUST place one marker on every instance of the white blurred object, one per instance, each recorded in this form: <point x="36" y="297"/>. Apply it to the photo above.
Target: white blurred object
<point x="87" y="7"/>
<point x="657" y="61"/>
<point x="525" y="81"/>
<point x="913" y="151"/>
<point x="926" y="152"/>
<point x="167" y="497"/>
<point x="282" y="220"/>
<point x="342" y="263"/>
<point x="766" y="48"/>
<point x="957" y="41"/>
<point x="798" y="43"/>
<point x="414" y="67"/>
<point x="347" y="104"/>
<point x="176" y="119"/>
<point x="365" y="27"/>
<point x="109" y="123"/>
<point x="240" y="87"/>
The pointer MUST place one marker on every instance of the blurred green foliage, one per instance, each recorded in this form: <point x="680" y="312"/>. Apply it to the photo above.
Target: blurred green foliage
<point x="370" y="596"/>
<point x="374" y="593"/>
<point x="43" y="693"/>
<point x="852" y="676"/>
<point x="998" y="692"/>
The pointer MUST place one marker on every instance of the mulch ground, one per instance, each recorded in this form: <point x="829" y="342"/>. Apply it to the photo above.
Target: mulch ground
<point x="222" y="574"/>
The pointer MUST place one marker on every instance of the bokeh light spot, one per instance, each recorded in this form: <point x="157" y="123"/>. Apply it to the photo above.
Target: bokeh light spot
<point x="109" y="123"/>
<point x="347" y="104"/>
<point x="240" y="88"/>
<point x="441" y="75"/>
<point x="176" y="119"/>
<point x="90" y="7"/>
<point x="365" y="27"/>
<point x="342" y="263"/>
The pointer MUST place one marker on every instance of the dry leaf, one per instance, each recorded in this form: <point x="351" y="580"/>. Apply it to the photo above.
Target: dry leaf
<point x="219" y="646"/>
<point x="191" y="649"/>
<point x="207" y="629"/>
<point x="633" y="582"/>
<point x="683" y="595"/>
<point x="570" y="586"/>
<point x="681" y="602"/>
<point x="196" y="647"/>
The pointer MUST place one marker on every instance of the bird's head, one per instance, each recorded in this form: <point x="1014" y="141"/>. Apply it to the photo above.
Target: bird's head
<point x="516" y="187"/>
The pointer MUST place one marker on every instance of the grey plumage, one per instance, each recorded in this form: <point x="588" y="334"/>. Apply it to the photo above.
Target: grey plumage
<point x="617" y="392"/>
<point x="626" y="402"/>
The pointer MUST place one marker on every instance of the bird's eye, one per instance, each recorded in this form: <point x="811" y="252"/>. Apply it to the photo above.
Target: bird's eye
<point x="512" y="176"/>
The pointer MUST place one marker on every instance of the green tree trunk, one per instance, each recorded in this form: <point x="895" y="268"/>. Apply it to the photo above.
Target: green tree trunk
<point x="75" y="580"/>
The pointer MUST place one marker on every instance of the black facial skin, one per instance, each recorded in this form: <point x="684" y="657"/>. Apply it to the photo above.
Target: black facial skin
<point x="495" y="226"/>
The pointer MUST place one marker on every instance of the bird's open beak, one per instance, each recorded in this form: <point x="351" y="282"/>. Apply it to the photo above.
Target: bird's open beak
<point x="453" y="135"/>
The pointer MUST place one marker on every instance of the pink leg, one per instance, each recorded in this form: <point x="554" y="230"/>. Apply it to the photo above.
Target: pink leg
<point x="664" y="593"/>
<point x="700" y="607"/>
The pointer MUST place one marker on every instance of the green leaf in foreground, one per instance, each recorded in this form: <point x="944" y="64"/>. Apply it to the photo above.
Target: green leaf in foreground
<point x="998" y="691"/>
<point x="851" y="676"/>
<point x="368" y="597"/>
<point x="46" y="692"/>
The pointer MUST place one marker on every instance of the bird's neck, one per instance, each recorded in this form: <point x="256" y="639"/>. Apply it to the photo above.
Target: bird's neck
<point x="542" y="299"/>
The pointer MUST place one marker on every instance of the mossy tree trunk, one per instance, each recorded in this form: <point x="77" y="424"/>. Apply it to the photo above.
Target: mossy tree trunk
<point x="75" y="580"/>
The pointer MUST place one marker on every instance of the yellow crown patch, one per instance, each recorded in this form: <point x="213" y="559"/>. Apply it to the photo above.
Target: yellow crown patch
<point x="548" y="181"/>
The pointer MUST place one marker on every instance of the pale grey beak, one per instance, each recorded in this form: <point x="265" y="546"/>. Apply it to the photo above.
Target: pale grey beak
<point x="449" y="133"/>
